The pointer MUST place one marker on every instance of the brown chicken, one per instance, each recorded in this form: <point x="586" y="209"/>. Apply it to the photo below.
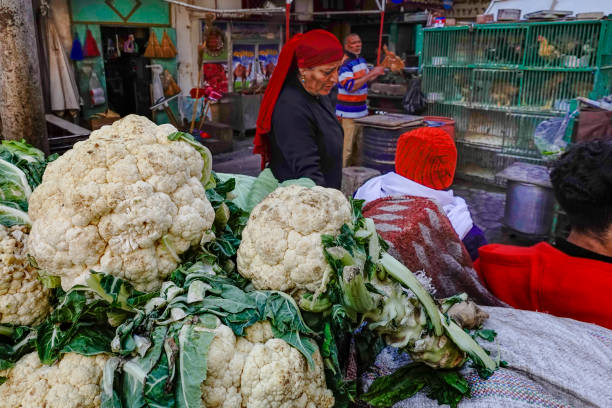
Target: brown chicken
<point x="547" y="50"/>
<point x="503" y="93"/>
<point x="392" y="61"/>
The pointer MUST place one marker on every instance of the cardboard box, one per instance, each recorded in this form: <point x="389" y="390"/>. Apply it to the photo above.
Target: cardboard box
<point x="96" y="122"/>
<point x="484" y="18"/>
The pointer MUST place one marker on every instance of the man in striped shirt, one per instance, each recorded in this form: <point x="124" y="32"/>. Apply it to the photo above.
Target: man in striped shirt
<point x="353" y="78"/>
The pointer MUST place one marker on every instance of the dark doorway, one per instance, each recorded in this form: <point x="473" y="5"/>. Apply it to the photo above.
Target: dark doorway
<point x="127" y="77"/>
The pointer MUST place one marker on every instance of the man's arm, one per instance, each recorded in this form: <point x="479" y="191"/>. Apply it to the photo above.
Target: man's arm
<point x="370" y="76"/>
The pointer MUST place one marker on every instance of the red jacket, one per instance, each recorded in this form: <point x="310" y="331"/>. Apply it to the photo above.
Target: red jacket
<point x="545" y="279"/>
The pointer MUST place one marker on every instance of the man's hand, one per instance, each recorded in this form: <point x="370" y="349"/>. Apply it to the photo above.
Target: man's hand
<point x="377" y="71"/>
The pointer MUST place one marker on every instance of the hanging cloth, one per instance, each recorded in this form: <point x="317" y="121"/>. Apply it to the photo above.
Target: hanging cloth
<point x="63" y="88"/>
<point x="158" y="88"/>
<point x="76" y="54"/>
<point x="91" y="47"/>
<point x="167" y="47"/>
<point x="153" y="49"/>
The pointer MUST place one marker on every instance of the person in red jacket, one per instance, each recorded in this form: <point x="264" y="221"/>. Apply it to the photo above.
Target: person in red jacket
<point x="573" y="277"/>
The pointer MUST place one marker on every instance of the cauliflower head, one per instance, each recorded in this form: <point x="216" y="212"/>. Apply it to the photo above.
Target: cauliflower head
<point x="259" y="371"/>
<point x="281" y="245"/>
<point x="74" y="382"/>
<point x="23" y="299"/>
<point x="127" y="202"/>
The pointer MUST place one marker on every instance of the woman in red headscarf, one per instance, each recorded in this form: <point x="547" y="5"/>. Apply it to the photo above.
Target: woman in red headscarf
<point x="298" y="134"/>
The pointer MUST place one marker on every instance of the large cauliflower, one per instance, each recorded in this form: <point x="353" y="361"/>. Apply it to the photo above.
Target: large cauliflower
<point x="23" y="299"/>
<point x="259" y="371"/>
<point x="281" y="245"/>
<point x="127" y="201"/>
<point x="74" y="382"/>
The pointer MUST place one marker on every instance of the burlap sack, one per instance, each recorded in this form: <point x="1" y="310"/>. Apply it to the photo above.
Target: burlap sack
<point x="553" y="362"/>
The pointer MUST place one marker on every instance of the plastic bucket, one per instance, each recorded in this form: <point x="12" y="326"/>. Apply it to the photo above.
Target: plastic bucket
<point x="444" y="123"/>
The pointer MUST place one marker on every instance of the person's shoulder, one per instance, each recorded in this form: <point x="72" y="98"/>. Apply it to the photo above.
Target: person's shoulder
<point x="507" y="253"/>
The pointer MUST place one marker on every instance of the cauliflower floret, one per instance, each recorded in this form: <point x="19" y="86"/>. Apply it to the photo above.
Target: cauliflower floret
<point x="127" y="202"/>
<point x="74" y="382"/>
<point x="281" y="245"/>
<point x="258" y="370"/>
<point x="23" y="299"/>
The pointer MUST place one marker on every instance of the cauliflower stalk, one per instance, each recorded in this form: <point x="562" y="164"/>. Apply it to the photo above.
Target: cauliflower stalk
<point x="127" y="201"/>
<point x="23" y="299"/>
<point x="72" y="383"/>
<point x="281" y="245"/>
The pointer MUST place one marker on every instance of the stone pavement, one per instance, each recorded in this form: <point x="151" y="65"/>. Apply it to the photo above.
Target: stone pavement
<point x="486" y="203"/>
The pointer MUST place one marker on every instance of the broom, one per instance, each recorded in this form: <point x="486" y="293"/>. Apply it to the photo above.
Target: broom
<point x="167" y="47"/>
<point x="153" y="48"/>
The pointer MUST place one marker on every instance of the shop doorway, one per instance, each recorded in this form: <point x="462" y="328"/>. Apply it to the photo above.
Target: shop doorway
<point x="127" y="77"/>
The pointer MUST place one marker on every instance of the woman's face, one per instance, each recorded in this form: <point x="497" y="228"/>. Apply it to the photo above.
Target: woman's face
<point x="321" y="79"/>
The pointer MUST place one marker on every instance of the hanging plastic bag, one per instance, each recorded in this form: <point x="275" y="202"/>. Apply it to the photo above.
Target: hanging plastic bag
<point x="549" y="136"/>
<point x="156" y="83"/>
<point x="96" y="92"/>
<point x="414" y="101"/>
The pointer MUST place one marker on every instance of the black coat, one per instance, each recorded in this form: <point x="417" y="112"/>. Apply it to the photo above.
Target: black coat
<point x="306" y="137"/>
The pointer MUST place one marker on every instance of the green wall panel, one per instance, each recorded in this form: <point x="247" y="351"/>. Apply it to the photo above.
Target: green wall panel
<point x="125" y="12"/>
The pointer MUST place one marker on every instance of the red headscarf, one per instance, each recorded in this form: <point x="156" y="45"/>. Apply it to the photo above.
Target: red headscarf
<point x="311" y="49"/>
<point x="428" y="156"/>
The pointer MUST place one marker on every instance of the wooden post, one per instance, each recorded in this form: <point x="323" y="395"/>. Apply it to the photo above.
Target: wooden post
<point x="21" y="102"/>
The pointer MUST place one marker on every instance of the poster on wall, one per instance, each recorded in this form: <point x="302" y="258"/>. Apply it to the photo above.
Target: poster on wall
<point x="267" y="58"/>
<point x="243" y="58"/>
<point x="214" y="44"/>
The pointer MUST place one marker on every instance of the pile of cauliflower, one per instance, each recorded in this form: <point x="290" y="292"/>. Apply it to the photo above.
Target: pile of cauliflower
<point x="23" y="299"/>
<point x="128" y="202"/>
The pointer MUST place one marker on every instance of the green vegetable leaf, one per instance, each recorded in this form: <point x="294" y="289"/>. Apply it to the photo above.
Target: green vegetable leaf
<point x="194" y="342"/>
<point x="158" y="384"/>
<point x="12" y="213"/>
<point x="207" y="177"/>
<point x="447" y="387"/>
<point x="109" y="397"/>
<point x="15" y="342"/>
<point x="486" y="334"/>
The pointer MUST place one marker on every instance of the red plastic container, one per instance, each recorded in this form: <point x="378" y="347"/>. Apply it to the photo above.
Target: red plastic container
<point x="446" y="124"/>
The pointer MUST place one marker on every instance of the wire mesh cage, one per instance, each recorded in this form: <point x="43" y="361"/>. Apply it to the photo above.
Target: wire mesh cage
<point x="485" y="128"/>
<point x="498" y="88"/>
<point x="447" y="84"/>
<point x="449" y="46"/>
<point x="567" y="45"/>
<point x="475" y="163"/>
<point x="499" y="45"/>
<point x="552" y="90"/>
<point x="519" y="136"/>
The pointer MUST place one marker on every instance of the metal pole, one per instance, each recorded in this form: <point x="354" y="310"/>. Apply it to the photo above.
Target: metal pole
<point x="287" y="15"/>
<point x="380" y="34"/>
<point x="22" y="109"/>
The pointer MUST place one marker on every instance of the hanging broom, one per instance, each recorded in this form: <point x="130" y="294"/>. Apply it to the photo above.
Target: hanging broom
<point x="153" y="48"/>
<point x="167" y="47"/>
<point x="91" y="47"/>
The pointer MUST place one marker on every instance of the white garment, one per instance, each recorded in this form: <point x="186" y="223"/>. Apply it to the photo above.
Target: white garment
<point x="64" y="91"/>
<point x="392" y="184"/>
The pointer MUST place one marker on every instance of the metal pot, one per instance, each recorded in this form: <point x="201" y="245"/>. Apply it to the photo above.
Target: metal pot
<point x="529" y="208"/>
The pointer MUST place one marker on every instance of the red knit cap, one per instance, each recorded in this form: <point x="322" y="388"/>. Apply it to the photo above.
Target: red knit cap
<point x="427" y="156"/>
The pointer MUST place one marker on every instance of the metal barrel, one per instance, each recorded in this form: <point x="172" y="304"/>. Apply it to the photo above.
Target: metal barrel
<point x="379" y="145"/>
